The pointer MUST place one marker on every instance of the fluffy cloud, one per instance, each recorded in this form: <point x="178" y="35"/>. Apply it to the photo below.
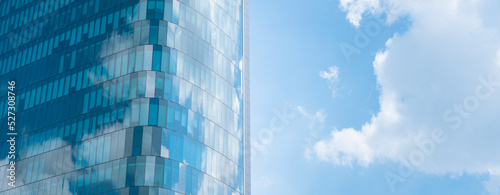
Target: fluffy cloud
<point x="331" y="75"/>
<point x="355" y="8"/>
<point x="440" y="90"/>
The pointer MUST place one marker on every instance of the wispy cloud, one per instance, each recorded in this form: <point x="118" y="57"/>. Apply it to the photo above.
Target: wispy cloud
<point x="332" y="76"/>
<point x="315" y="120"/>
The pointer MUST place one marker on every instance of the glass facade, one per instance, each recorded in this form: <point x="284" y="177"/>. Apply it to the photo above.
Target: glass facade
<point x="126" y="96"/>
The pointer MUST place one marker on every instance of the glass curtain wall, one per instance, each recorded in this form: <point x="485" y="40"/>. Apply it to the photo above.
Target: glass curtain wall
<point x="125" y="96"/>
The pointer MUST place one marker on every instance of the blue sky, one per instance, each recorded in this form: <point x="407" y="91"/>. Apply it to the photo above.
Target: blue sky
<point x="355" y="119"/>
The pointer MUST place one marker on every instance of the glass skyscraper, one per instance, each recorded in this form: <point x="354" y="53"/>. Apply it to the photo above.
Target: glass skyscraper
<point x="124" y="97"/>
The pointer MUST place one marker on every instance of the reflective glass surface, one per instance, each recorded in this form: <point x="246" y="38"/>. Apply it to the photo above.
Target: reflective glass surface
<point x="125" y="96"/>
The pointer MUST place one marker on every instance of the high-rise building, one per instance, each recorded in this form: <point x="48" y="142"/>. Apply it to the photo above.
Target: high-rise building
<point x="124" y="97"/>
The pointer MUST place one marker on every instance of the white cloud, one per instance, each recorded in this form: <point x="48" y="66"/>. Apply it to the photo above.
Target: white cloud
<point x="315" y="120"/>
<point x="355" y="9"/>
<point x="344" y="147"/>
<point x="427" y="77"/>
<point x="332" y="75"/>
<point x="493" y="185"/>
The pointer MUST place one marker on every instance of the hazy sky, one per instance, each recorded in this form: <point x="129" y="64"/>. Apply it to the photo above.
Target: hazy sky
<point x="382" y="97"/>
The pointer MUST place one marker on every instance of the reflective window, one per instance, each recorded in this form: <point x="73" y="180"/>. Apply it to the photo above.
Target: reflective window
<point x="149" y="94"/>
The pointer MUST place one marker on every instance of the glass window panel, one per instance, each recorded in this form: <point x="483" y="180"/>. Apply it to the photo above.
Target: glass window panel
<point x="156" y="142"/>
<point x="86" y="154"/>
<point x="93" y="146"/>
<point x="141" y="86"/>
<point x="147" y="140"/>
<point x="135" y="112"/>
<point x="123" y="171"/>
<point x="153" y="33"/>
<point x="85" y="103"/>
<point x="133" y="86"/>
<point x="126" y="117"/>
<point x="144" y="115"/>
<point x="126" y="87"/>
<point x="185" y="149"/>
<point x="165" y="144"/>
<point x="148" y="57"/>
<point x="188" y="181"/>
<point x="137" y="141"/>
<point x="135" y="13"/>
<point x="151" y="9"/>
<point x="140" y="170"/>
<point x="108" y="171"/>
<point x="150" y="171"/>
<point x="150" y="84"/>
<point x="157" y="54"/>
<point x="181" y="187"/>
<point x="175" y="89"/>
<point x="159" y="171"/>
<point x="145" y="32"/>
<point x="107" y="146"/>
<point x="159" y="9"/>
<point x="105" y="94"/>
<point x="162" y="114"/>
<point x="184" y="119"/>
<point x="131" y="61"/>
<point x="99" y="98"/>
<point x="112" y="93"/>
<point x="167" y="177"/>
<point x="49" y="92"/>
<point x="162" y="39"/>
<point x="119" y="88"/>
<point x="111" y="68"/>
<point x="174" y="147"/>
<point x="130" y="172"/>
<point x="167" y="15"/>
<point x="173" y="62"/>
<point x="142" y="9"/>
<point x="115" y="173"/>
<point x="55" y="92"/>
<point x="168" y="87"/>
<point x="160" y="82"/>
<point x="176" y="183"/>
<point x="99" y="151"/>
<point x="105" y="70"/>
<point x="170" y="115"/>
<point x="124" y="61"/>
<point x="153" y="112"/>
<point x="139" y="58"/>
